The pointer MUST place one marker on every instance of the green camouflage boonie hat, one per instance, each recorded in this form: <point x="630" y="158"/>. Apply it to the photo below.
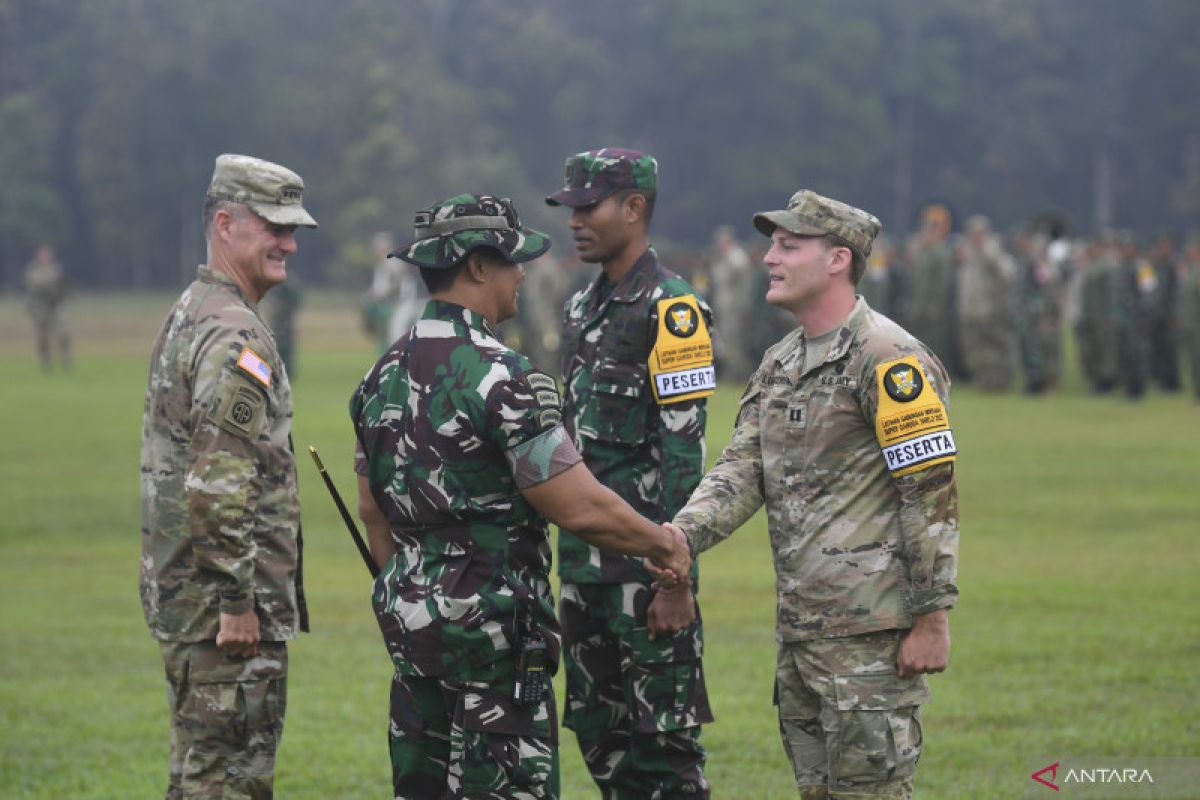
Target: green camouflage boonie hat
<point x="594" y="175"/>
<point x="446" y="232"/>
<point x="811" y="214"/>
<point x="269" y="190"/>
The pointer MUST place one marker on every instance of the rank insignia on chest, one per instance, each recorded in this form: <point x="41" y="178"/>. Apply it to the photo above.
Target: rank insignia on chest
<point x="681" y="363"/>
<point x="911" y="423"/>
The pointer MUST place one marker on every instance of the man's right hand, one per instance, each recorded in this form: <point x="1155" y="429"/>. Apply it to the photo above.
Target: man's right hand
<point x="238" y="634"/>
<point x="672" y="569"/>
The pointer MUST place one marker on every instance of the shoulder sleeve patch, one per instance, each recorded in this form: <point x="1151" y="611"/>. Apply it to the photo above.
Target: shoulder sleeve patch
<point x="911" y="424"/>
<point x="241" y="408"/>
<point x="250" y="362"/>
<point x="681" y="363"/>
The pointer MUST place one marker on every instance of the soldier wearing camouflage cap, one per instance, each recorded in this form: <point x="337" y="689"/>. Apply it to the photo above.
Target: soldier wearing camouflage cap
<point x="636" y="695"/>
<point x="461" y="458"/>
<point x="220" y="573"/>
<point x="842" y="434"/>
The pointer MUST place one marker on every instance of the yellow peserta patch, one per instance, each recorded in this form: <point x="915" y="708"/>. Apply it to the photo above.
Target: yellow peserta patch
<point x="681" y="363"/>
<point x="911" y="424"/>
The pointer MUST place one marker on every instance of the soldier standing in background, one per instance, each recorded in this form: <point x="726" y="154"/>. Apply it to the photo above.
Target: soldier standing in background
<point x="1039" y="317"/>
<point x="280" y="309"/>
<point x="732" y="302"/>
<point x="46" y="287"/>
<point x="1096" y="332"/>
<point x="221" y="580"/>
<point x="545" y="290"/>
<point x="636" y="696"/>
<point x="986" y="281"/>
<point x="931" y="298"/>
<point x="1133" y="290"/>
<point x="876" y="286"/>
<point x="461" y="458"/>
<point x="843" y="435"/>
<point x="1188" y="307"/>
<point x="1160" y="315"/>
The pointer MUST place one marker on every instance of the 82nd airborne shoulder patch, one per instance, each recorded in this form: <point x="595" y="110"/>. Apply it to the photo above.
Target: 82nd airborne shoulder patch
<point x="911" y="423"/>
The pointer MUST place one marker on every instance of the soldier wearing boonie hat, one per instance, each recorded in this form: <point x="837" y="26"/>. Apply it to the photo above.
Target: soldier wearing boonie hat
<point x="842" y="433"/>
<point x="462" y="457"/>
<point x="220" y="581"/>
<point x="640" y="426"/>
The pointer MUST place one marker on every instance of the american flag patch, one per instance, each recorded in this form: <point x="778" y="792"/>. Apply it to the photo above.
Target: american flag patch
<point x="250" y="362"/>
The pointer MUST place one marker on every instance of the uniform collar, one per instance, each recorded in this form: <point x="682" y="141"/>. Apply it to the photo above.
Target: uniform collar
<point x="461" y="316"/>
<point x="847" y="332"/>
<point x="207" y="274"/>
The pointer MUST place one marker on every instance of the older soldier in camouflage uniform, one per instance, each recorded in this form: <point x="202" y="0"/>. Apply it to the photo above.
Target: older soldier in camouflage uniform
<point x="842" y="433"/>
<point x="635" y="684"/>
<point x="462" y="456"/>
<point x="220" y="579"/>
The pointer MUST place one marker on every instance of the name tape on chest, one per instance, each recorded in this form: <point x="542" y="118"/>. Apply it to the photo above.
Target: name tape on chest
<point x="681" y="363"/>
<point x="911" y="424"/>
<point x="253" y="365"/>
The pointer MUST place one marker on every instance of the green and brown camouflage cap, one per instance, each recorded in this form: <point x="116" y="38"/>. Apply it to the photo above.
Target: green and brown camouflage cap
<point x="594" y="175"/>
<point x="446" y="232"/>
<point x="269" y="190"/>
<point x="811" y="214"/>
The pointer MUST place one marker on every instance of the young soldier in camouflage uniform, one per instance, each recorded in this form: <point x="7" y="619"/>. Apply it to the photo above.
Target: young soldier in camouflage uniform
<point x="461" y="458"/>
<point x="220" y="580"/>
<point x="843" y="434"/>
<point x="635" y="685"/>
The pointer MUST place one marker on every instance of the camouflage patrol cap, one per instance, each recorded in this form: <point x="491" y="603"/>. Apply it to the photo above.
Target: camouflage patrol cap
<point x="811" y="214"/>
<point x="446" y="232"/>
<point x="269" y="190"/>
<point x="594" y="175"/>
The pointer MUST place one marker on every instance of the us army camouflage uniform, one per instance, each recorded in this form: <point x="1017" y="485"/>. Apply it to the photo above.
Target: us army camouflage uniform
<point x="46" y="287"/>
<point x="987" y="279"/>
<point x="451" y="426"/>
<point x="220" y="533"/>
<point x="636" y="706"/>
<point x="857" y="551"/>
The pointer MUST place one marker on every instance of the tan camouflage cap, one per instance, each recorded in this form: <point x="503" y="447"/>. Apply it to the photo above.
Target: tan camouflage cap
<point x="269" y="190"/>
<point x="811" y="214"/>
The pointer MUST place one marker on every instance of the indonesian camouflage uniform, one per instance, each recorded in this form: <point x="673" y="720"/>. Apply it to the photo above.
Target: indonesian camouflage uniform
<point x="452" y="426"/>
<point x="636" y="705"/>
<point x="220" y="534"/>
<point x="862" y="539"/>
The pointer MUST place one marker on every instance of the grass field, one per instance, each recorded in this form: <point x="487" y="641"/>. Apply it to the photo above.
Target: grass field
<point x="1077" y="633"/>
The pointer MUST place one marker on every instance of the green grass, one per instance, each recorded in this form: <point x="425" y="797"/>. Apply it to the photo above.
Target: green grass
<point x="1076" y="634"/>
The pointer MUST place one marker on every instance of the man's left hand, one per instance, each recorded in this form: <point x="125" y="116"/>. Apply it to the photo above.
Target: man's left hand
<point x="926" y="647"/>
<point x="670" y="611"/>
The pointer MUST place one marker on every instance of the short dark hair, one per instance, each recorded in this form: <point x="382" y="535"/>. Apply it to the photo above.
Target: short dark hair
<point x="439" y="280"/>
<point x="858" y="262"/>
<point x="648" y="194"/>
<point x="214" y="204"/>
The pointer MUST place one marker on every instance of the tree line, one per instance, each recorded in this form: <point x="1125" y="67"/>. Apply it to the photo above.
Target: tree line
<point x="113" y="111"/>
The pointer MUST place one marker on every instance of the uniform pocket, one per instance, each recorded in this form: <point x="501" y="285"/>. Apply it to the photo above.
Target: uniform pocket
<point x="664" y="684"/>
<point x="617" y="414"/>
<point x="878" y="728"/>
<point x="506" y="747"/>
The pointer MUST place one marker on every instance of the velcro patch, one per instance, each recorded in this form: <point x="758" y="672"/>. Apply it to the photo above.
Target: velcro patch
<point x="681" y="363"/>
<point x="242" y="410"/>
<point x="911" y="423"/>
<point x="253" y="365"/>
